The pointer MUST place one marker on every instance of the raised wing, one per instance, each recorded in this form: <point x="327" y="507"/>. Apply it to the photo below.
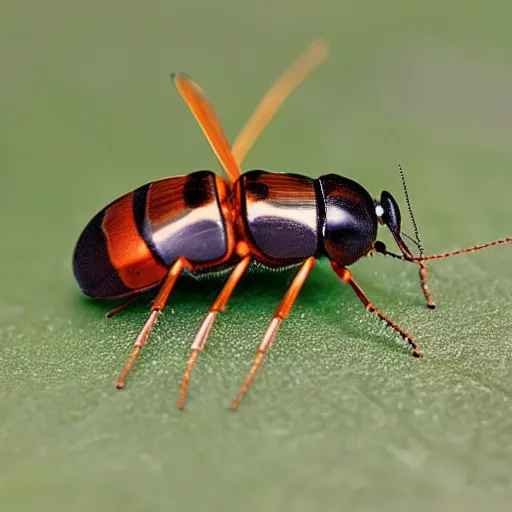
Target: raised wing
<point x="195" y="98"/>
<point x="205" y="115"/>
<point x="313" y="56"/>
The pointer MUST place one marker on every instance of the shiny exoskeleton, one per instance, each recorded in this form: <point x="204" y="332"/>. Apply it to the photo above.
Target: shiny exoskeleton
<point x="283" y="218"/>
<point x="204" y="224"/>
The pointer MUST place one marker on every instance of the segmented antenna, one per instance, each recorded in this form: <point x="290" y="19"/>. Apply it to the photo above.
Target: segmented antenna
<point x="415" y="226"/>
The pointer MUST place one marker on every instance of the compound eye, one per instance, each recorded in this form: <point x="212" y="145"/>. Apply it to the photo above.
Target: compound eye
<point x="391" y="216"/>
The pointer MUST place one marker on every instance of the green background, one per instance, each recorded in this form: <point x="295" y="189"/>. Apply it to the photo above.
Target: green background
<point x="340" y="417"/>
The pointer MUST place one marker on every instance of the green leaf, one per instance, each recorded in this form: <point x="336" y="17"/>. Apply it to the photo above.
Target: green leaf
<point x="340" y="416"/>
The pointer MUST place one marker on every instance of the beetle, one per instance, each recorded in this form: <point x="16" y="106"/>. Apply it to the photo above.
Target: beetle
<point x="203" y="223"/>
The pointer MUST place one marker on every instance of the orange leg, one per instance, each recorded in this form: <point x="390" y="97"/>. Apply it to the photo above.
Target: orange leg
<point x="382" y="249"/>
<point x="346" y="276"/>
<point x="158" y="305"/>
<point x="424" y="285"/>
<point x="423" y="267"/>
<point x="122" y="307"/>
<point x="203" y="332"/>
<point x="280" y="314"/>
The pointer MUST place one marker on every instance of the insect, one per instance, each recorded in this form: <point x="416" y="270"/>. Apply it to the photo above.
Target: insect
<point x="202" y="223"/>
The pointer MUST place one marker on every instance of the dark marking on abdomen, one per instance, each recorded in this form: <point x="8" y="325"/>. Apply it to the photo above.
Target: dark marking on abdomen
<point x="188" y="221"/>
<point x="93" y="270"/>
<point x="281" y="215"/>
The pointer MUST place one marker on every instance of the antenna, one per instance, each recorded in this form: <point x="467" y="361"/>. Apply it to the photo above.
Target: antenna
<point x="415" y="226"/>
<point x="411" y="239"/>
<point x="382" y="249"/>
<point x="420" y="260"/>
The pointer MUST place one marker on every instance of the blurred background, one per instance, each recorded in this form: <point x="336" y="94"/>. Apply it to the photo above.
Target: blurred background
<point x="340" y="417"/>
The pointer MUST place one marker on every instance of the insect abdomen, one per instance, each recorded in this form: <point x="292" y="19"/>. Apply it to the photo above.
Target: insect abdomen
<point x="279" y="215"/>
<point x="184" y="218"/>
<point x="111" y="258"/>
<point x="130" y="244"/>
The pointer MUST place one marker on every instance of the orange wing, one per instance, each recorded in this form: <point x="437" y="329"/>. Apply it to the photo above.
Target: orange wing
<point x="195" y="98"/>
<point x="205" y="115"/>
<point x="313" y="56"/>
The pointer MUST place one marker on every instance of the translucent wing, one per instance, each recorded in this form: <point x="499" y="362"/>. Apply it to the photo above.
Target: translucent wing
<point x="314" y="55"/>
